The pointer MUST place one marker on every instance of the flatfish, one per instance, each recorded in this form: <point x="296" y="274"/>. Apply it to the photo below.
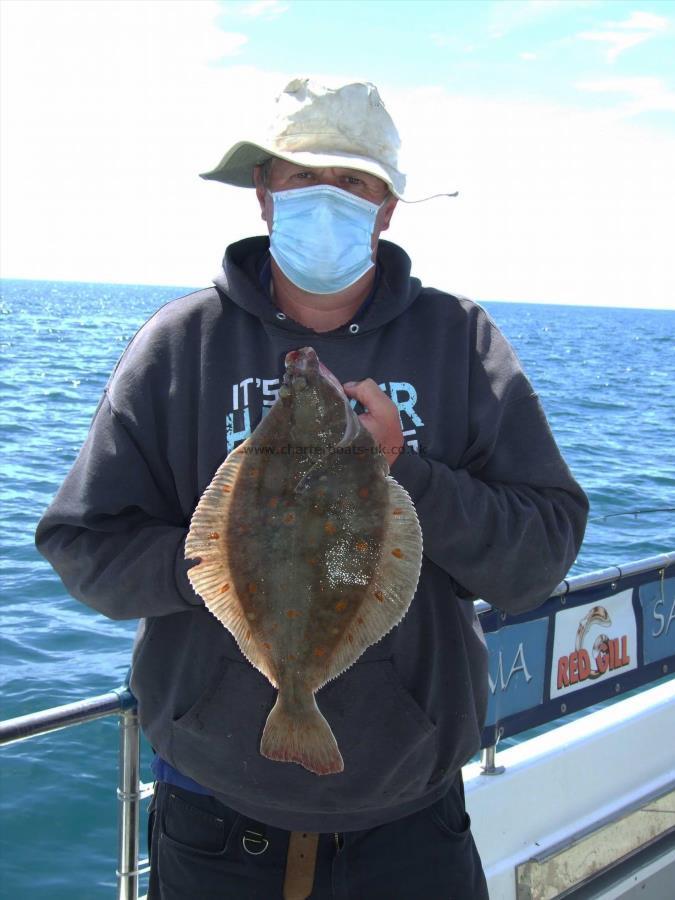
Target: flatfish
<point x="309" y="553"/>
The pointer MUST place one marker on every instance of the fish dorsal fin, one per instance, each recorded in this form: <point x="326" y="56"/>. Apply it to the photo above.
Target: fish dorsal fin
<point x="393" y="586"/>
<point x="212" y="578"/>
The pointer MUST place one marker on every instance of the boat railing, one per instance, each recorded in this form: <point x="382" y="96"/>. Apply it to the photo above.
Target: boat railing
<point x="597" y="637"/>
<point x="130" y="789"/>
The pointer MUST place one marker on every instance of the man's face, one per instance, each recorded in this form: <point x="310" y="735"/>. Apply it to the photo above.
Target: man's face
<point x="285" y="176"/>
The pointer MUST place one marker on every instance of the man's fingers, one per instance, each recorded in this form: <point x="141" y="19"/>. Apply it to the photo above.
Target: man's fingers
<point x="381" y="419"/>
<point x="369" y="395"/>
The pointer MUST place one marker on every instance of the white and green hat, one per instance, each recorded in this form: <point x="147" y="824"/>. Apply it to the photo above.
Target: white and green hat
<point x="314" y="125"/>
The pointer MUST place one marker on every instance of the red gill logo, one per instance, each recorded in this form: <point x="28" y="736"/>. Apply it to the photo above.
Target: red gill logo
<point x="604" y="656"/>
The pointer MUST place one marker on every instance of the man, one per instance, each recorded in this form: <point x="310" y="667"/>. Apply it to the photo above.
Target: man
<point x="502" y="518"/>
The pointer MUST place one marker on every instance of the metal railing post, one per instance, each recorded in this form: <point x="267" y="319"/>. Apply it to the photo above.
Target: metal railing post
<point x="488" y="766"/>
<point x="128" y="794"/>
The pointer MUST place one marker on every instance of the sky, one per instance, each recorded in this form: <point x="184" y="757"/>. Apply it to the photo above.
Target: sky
<point x="555" y="120"/>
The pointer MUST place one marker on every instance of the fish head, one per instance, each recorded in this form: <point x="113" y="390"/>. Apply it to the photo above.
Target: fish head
<point x="599" y="616"/>
<point x="319" y="407"/>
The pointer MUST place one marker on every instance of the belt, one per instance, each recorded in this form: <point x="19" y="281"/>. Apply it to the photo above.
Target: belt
<point x="300" y="865"/>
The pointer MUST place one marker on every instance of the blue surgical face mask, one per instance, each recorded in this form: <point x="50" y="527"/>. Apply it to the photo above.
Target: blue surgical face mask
<point x="321" y="237"/>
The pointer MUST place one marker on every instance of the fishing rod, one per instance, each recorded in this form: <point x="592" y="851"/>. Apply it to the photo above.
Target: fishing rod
<point x="633" y="512"/>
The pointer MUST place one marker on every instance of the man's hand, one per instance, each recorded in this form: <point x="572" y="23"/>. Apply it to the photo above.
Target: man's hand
<point x="381" y="417"/>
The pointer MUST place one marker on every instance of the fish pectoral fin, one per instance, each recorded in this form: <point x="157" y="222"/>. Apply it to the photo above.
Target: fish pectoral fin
<point x="311" y="479"/>
<point x="301" y="735"/>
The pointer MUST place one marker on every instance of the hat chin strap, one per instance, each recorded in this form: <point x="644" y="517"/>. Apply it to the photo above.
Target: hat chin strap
<point x="430" y="197"/>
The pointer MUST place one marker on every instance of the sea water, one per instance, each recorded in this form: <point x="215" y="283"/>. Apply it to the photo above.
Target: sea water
<point x="605" y="377"/>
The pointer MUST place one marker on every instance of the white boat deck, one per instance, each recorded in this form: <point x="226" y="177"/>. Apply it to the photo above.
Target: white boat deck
<point x="532" y="822"/>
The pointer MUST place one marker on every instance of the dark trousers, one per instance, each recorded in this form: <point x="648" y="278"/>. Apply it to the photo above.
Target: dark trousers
<point x="201" y="848"/>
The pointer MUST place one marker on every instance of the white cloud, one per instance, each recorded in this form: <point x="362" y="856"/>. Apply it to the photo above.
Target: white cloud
<point x="443" y="40"/>
<point x="108" y="118"/>
<point x="506" y="16"/>
<point x="556" y="204"/>
<point x="645" y="21"/>
<point x="230" y="43"/>
<point x="528" y="56"/>
<point x="644" y="94"/>
<point x="451" y="41"/>
<point x="618" y="41"/>
<point x="265" y="9"/>
<point x="636" y="29"/>
<point x="109" y="110"/>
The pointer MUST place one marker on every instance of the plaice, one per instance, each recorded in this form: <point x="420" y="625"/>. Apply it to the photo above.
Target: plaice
<point x="309" y="553"/>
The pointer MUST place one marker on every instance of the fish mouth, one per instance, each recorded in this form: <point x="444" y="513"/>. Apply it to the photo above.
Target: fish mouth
<point x="302" y="362"/>
<point x="305" y="362"/>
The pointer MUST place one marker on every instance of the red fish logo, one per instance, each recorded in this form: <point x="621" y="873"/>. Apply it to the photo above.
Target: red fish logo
<point x="605" y="655"/>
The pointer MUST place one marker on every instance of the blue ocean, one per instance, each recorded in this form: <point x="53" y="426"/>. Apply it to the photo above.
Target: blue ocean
<point x="605" y="377"/>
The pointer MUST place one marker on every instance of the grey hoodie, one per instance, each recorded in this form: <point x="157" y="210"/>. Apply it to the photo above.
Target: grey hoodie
<point x="501" y="515"/>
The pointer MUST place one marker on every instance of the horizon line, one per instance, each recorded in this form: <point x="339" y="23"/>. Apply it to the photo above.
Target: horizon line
<point x="478" y="300"/>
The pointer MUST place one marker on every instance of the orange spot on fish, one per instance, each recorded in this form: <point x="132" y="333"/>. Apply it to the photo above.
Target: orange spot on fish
<point x="213" y="536"/>
<point x="319" y="651"/>
<point x="251" y="587"/>
<point x="292" y="613"/>
<point x="289" y="518"/>
<point x="273" y="502"/>
<point x="224" y="588"/>
<point x="398" y="553"/>
<point x="350" y="638"/>
<point x="379" y="596"/>
<point x="397" y="512"/>
<point x="364" y="492"/>
<point x="361" y="546"/>
<point x="227" y="488"/>
<point x="267" y="646"/>
<point x="329" y="528"/>
<point x="341" y="605"/>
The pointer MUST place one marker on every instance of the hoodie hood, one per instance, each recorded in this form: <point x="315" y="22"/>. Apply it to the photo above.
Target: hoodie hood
<point x="240" y="281"/>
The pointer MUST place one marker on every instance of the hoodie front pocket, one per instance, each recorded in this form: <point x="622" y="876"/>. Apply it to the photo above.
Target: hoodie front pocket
<point x="387" y="742"/>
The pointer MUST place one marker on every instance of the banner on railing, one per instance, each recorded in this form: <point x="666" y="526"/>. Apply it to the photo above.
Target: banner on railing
<point x="577" y="650"/>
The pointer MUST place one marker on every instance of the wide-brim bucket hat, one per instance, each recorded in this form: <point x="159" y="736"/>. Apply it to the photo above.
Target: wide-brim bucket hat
<point x="345" y="126"/>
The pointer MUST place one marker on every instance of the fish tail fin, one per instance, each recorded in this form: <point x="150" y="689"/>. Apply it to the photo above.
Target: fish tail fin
<point x="303" y="737"/>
